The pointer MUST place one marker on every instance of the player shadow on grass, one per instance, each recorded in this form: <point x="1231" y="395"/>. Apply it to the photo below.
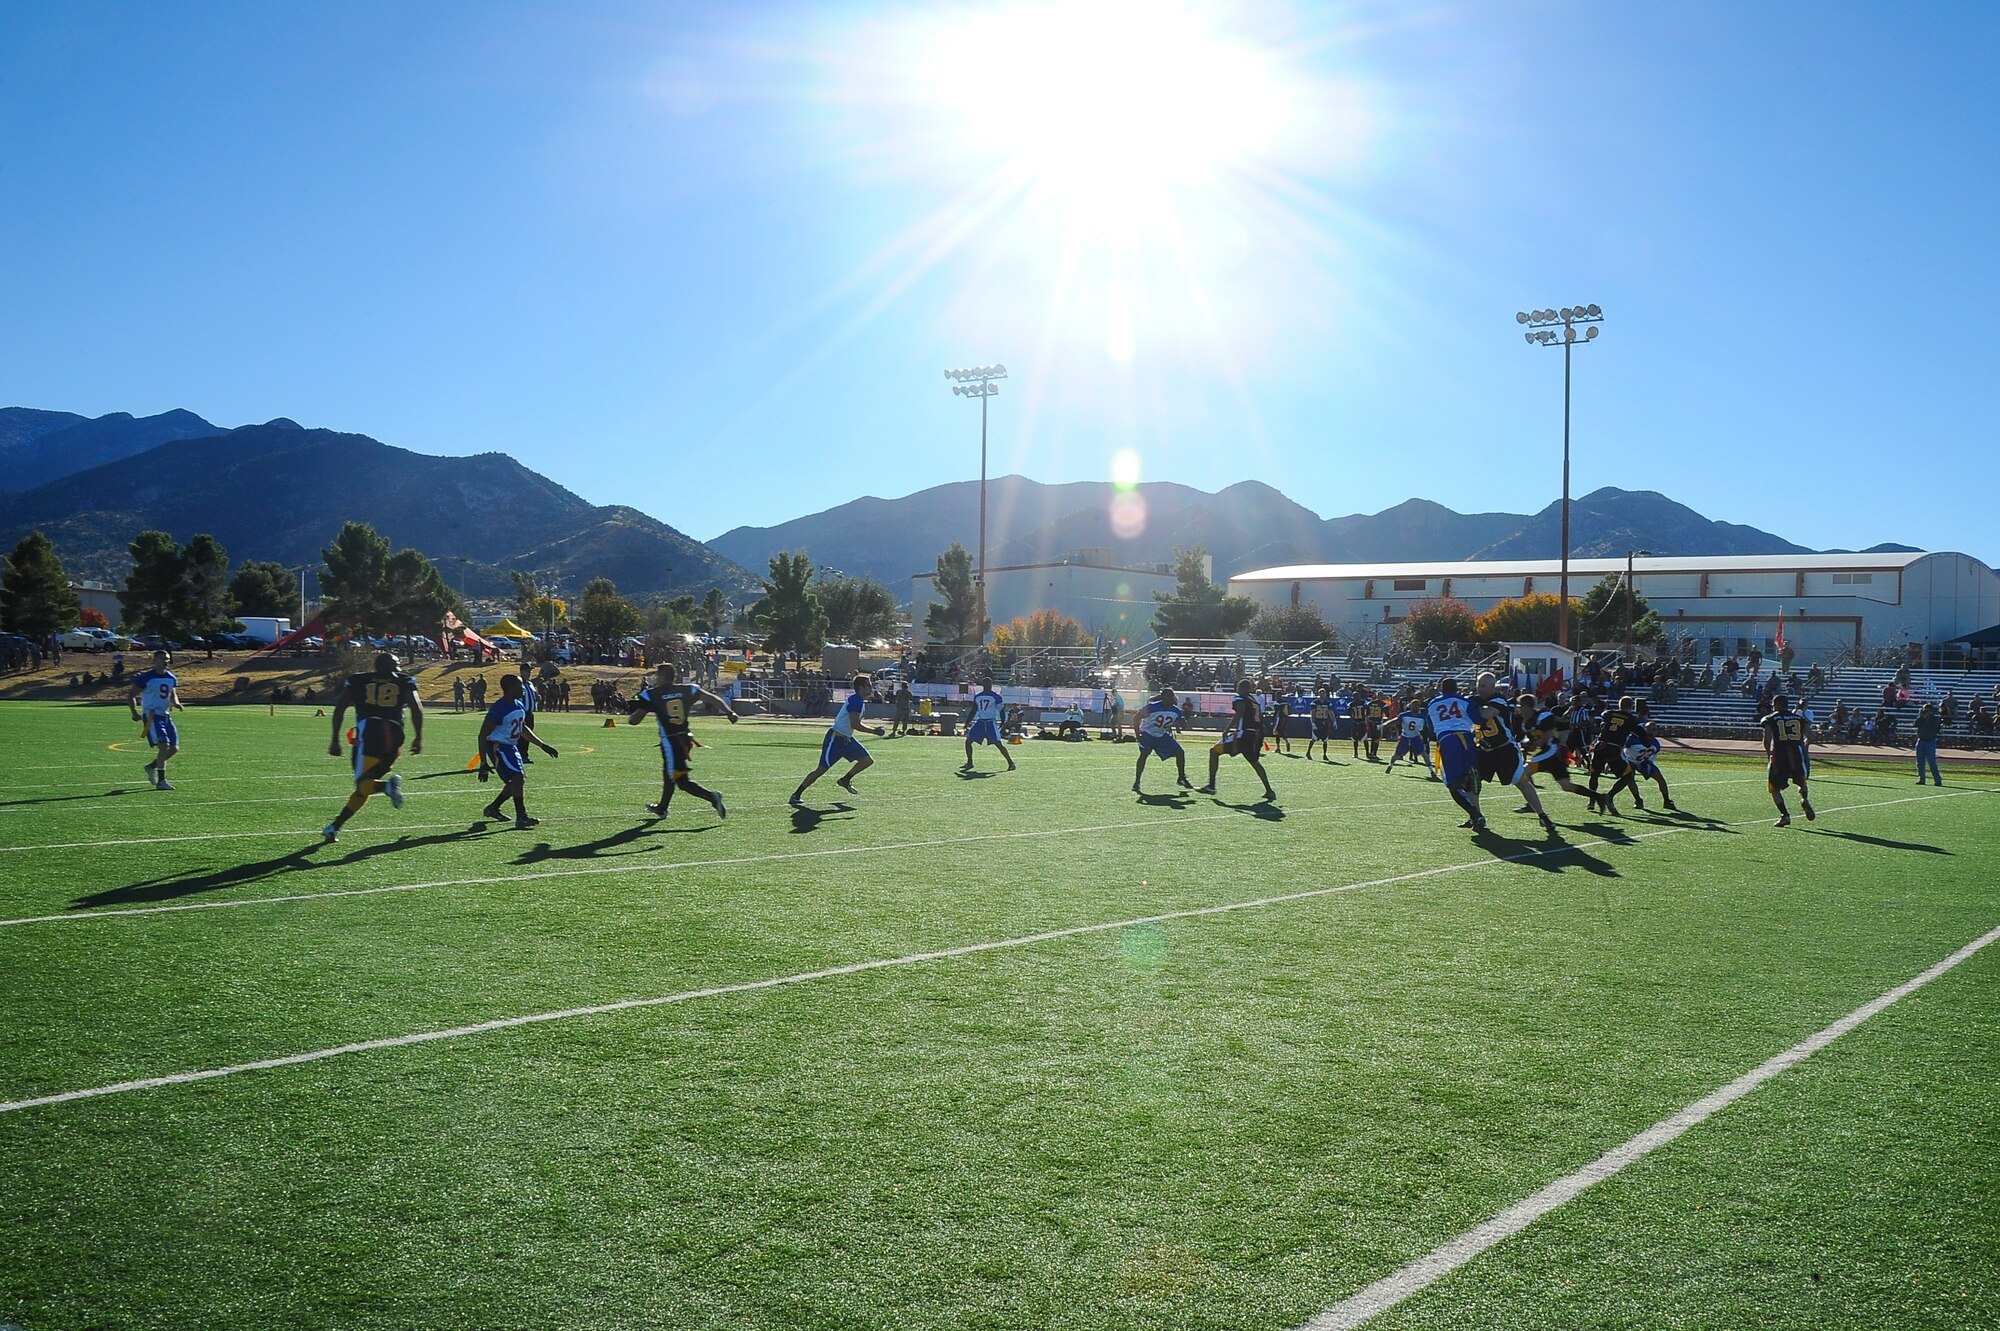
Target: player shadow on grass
<point x="1171" y="800"/>
<point x="976" y="774"/>
<point x="1886" y="843"/>
<point x="170" y="886"/>
<point x="1550" y="856"/>
<point x="1263" y="809"/>
<point x="602" y="848"/>
<point x="808" y="820"/>
<point x="61" y="799"/>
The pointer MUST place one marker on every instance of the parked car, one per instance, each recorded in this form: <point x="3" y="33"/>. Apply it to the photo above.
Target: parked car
<point x="86" y="640"/>
<point x="154" y="642"/>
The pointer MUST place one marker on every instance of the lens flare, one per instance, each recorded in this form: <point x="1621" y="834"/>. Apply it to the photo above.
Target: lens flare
<point x="1128" y="516"/>
<point x="1125" y="468"/>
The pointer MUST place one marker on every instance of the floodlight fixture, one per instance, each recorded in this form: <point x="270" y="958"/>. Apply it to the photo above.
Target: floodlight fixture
<point x="979" y="381"/>
<point x="1543" y="325"/>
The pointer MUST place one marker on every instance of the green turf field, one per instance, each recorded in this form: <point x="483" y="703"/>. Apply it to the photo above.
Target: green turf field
<point x="1227" y="1119"/>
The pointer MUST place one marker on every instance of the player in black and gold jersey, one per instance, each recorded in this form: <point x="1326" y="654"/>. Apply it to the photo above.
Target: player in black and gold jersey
<point x="1607" y="754"/>
<point x="379" y="700"/>
<point x="1786" y="735"/>
<point x="670" y="702"/>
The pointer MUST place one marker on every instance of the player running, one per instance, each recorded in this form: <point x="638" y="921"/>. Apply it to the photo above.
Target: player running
<point x="1245" y="739"/>
<point x="155" y="695"/>
<point x="1619" y="728"/>
<point x="501" y="735"/>
<point x="1500" y="756"/>
<point x="669" y="702"/>
<point x="1412" y="743"/>
<point x="379" y="700"/>
<point x="1454" y="720"/>
<point x="983" y="724"/>
<point x="1324" y="721"/>
<point x="1785" y="737"/>
<point x="840" y="744"/>
<point x="1154" y="729"/>
<point x="1642" y="752"/>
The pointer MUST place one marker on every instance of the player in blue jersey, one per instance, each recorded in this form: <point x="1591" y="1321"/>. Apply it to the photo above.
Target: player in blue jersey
<point x="840" y="744"/>
<point x="1411" y="743"/>
<point x="155" y="695"/>
<point x="1154" y="729"/>
<point x="670" y="703"/>
<point x="1641" y="754"/>
<point x="1244" y="739"/>
<point x="982" y="725"/>
<point x="501" y="737"/>
<point x="1454" y="720"/>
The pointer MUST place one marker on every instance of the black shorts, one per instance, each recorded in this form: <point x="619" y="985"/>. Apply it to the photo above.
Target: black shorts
<point x="1505" y="765"/>
<point x="1242" y="746"/>
<point x="381" y="741"/>
<point x="1787" y="767"/>
<point x="676" y="752"/>
<point x="1323" y="730"/>
<point x="1608" y="757"/>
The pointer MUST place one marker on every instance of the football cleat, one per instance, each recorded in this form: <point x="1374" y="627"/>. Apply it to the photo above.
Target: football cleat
<point x="1785" y="821"/>
<point x="330" y="833"/>
<point x="720" y="812"/>
<point x="525" y="823"/>
<point x="1810" y="815"/>
<point x="393" y="788"/>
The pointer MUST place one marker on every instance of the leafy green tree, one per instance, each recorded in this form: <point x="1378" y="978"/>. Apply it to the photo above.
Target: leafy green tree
<point x="353" y="587"/>
<point x="685" y="610"/>
<point x="261" y="587"/>
<point x="1531" y="618"/>
<point x="528" y="596"/>
<point x="415" y="596"/>
<point x="1439" y="619"/>
<point x="208" y="607"/>
<point x="714" y="611"/>
<point x="1197" y="607"/>
<point x="795" y="621"/>
<point x="1600" y="615"/>
<point x="154" y="598"/>
<point x="604" y="618"/>
<point x="1300" y="624"/>
<point x="952" y="619"/>
<point x="670" y="618"/>
<point x="35" y="596"/>
<point x="858" y="609"/>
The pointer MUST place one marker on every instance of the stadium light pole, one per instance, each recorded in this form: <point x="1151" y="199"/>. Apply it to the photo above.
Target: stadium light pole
<point x="1548" y="328"/>
<point x="1631" y="596"/>
<point x="979" y="382"/>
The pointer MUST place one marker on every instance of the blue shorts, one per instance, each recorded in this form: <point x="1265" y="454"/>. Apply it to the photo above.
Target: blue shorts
<point x="1409" y="746"/>
<point x="840" y="748"/>
<point x="507" y="760"/>
<point x="1460" y="759"/>
<point x="981" y="732"/>
<point x="1163" y="746"/>
<point x="160" y="730"/>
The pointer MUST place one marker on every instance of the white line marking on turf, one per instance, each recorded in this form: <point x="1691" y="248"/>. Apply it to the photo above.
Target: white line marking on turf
<point x="857" y="967"/>
<point x="1391" y="1290"/>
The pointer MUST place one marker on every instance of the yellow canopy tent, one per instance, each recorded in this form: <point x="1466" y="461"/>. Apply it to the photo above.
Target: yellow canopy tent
<point x="507" y="628"/>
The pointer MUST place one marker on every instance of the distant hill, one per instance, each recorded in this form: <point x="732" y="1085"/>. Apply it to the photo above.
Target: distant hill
<point x="1609" y="522"/>
<point x="280" y="492"/>
<point x="37" y="447"/>
<point x="1248" y="525"/>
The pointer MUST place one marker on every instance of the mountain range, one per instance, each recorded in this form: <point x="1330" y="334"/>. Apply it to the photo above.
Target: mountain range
<point x="1247" y="525"/>
<point x="279" y="491"/>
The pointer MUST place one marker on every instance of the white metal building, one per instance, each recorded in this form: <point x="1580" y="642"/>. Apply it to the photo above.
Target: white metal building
<point x="1829" y="602"/>
<point x="1103" y="597"/>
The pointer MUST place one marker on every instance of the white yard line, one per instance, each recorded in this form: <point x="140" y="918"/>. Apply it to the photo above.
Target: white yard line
<point x="859" y="967"/>
<point x="1447" y="1257"/>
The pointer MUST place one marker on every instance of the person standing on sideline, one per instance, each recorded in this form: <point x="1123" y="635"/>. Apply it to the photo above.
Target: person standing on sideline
<point x="458" y="694"/>
<point x="501" y="736"/>
<point x="1929" y="725"/>
<point x="155" y="695"/>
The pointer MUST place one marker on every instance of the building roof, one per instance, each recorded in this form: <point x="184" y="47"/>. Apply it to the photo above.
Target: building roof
<point x="1518" y="568"/>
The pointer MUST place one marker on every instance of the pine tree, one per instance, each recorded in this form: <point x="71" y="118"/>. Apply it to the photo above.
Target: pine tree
<point x="35" y="596"/>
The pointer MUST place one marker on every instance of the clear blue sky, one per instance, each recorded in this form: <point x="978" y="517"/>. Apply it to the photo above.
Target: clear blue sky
<point x="711" y="260"/>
